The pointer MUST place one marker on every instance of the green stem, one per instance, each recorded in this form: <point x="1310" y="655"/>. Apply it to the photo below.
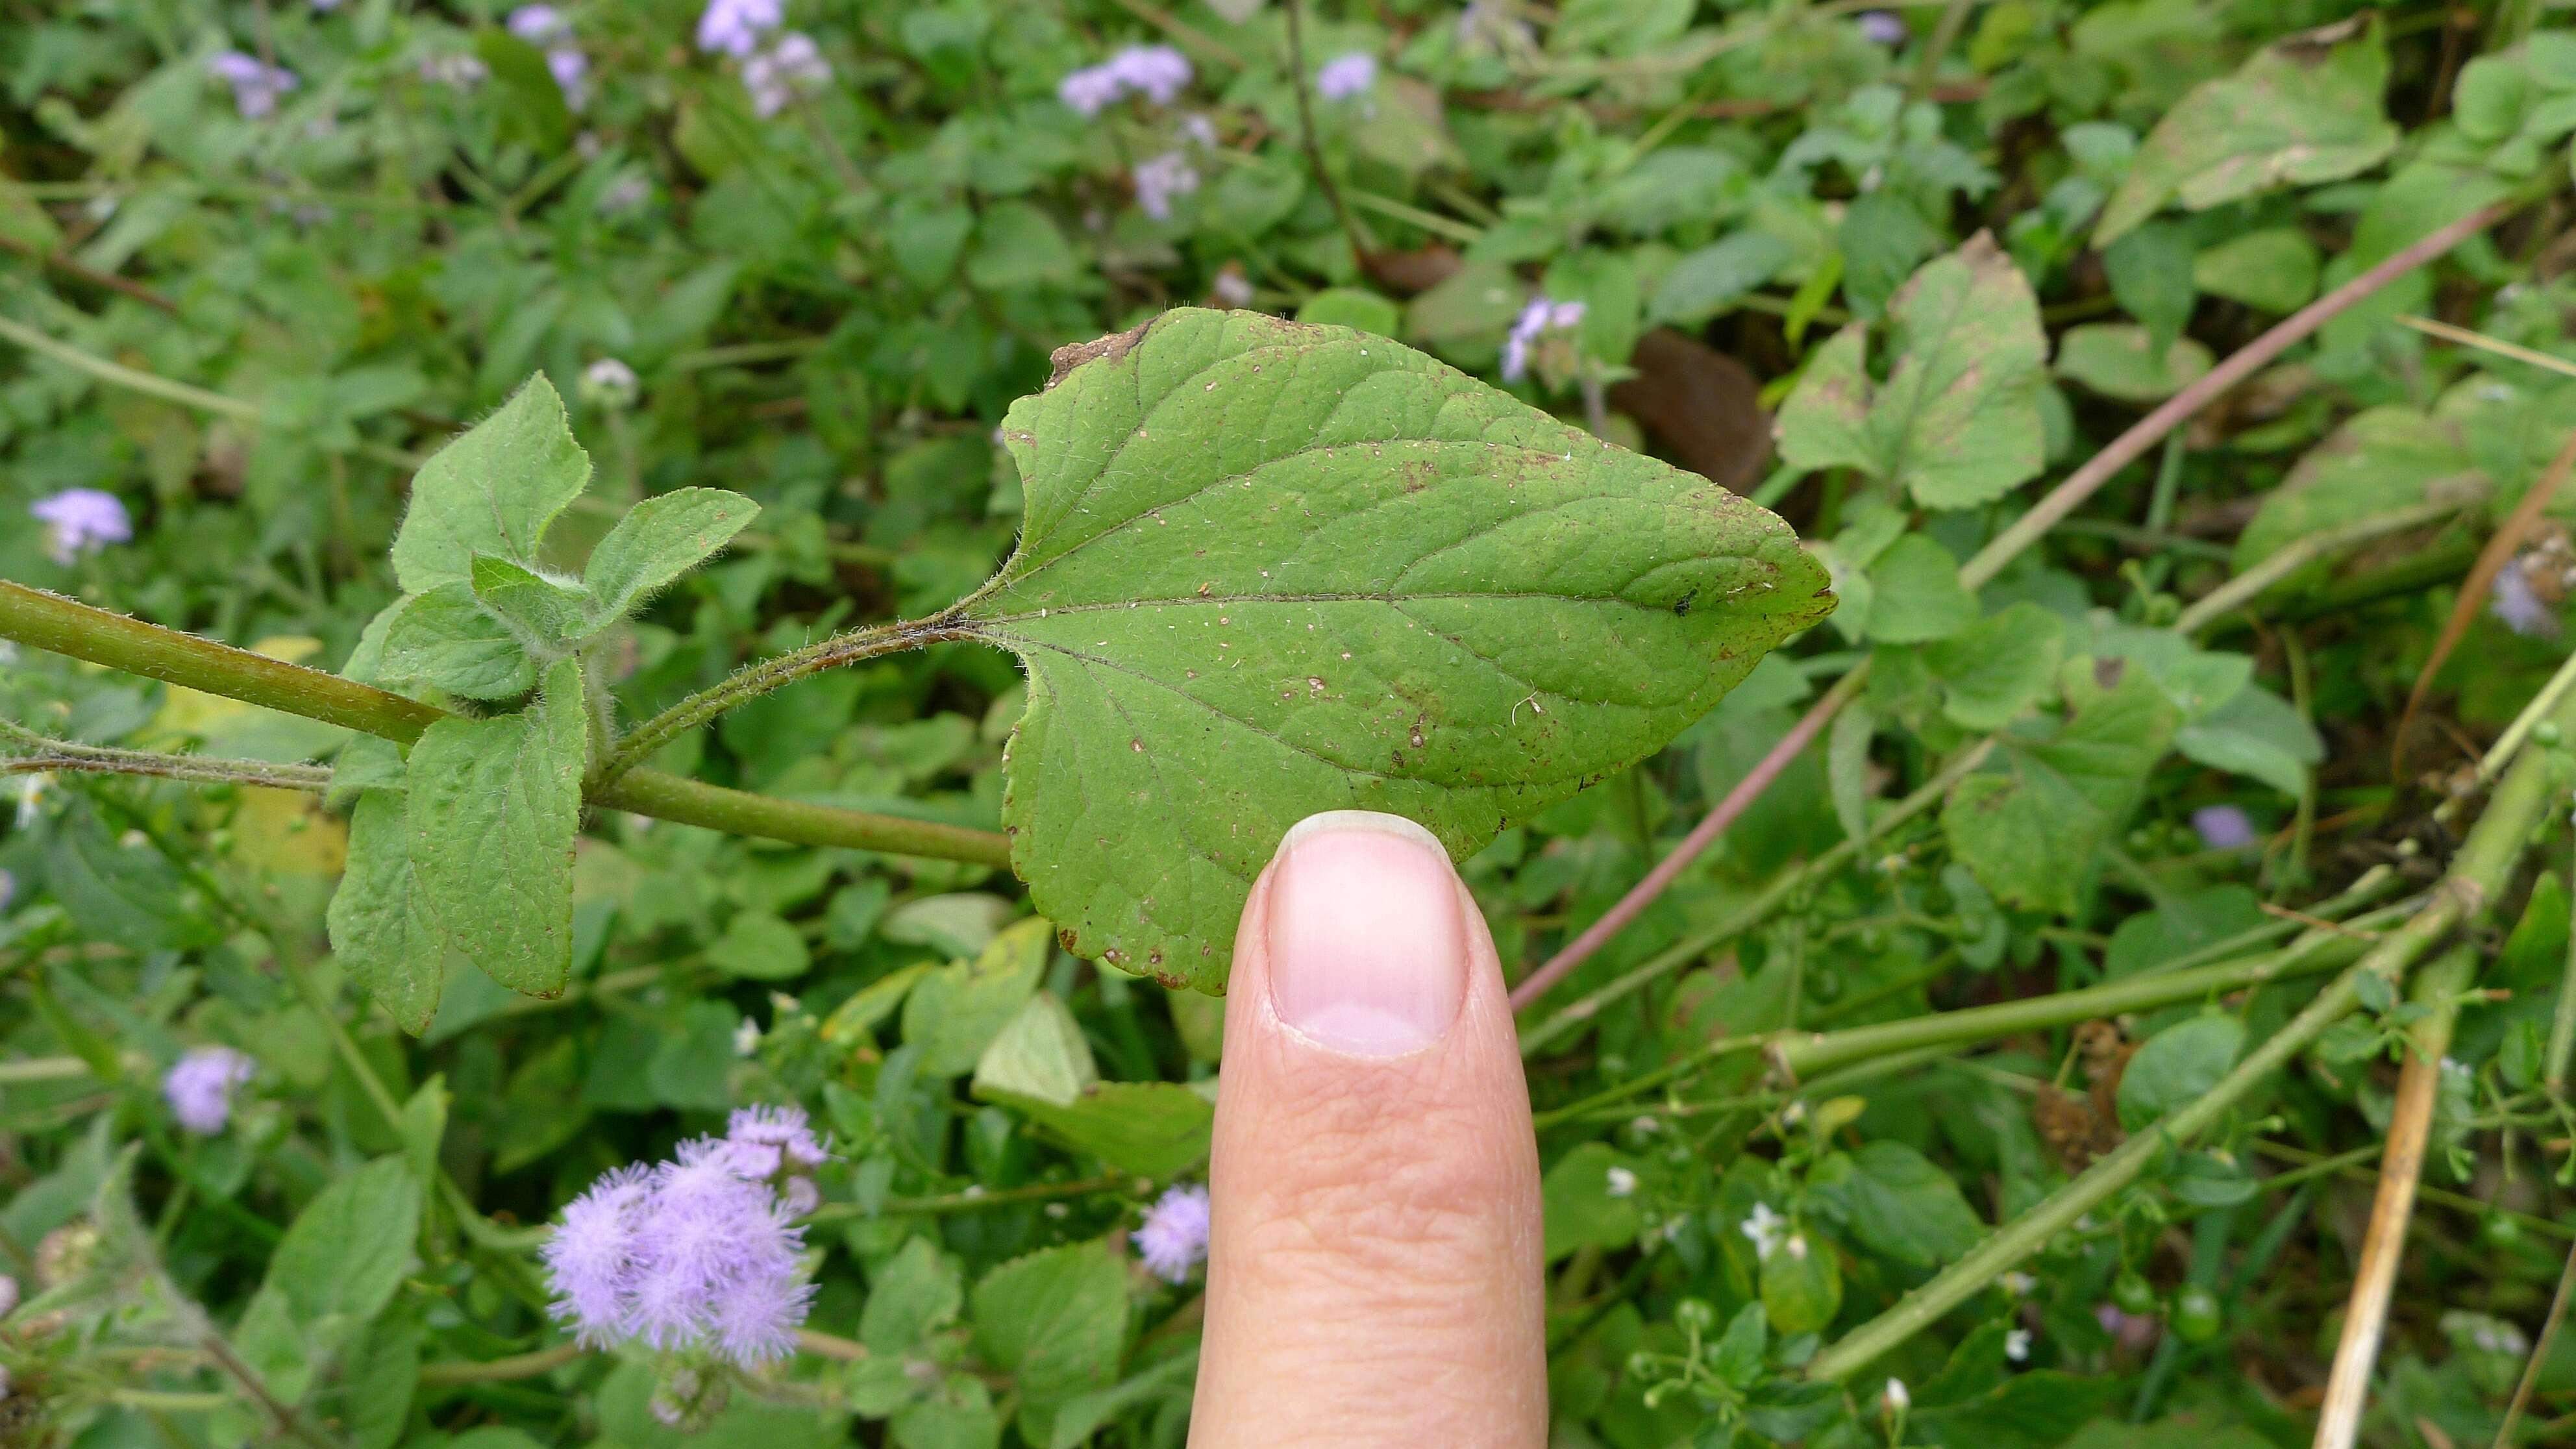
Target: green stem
<point x="2247" y="586"/>
<point x="501" y="1370"/>
<point x="973" y="1198"/>
<point x="67" y="626"/>
<point x="2477" y="873"/>
<point x="42" y="1069"/>
<point x="41" y="753"/>
<point x="753" y="681"/>
<point x="2562" y="1022"/>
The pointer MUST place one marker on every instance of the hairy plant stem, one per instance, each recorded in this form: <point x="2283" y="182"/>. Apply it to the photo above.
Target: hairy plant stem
<point x="1989" y="561"/>
<point x="2478" y="873"/>
<point x="753" y="681"/>
<point x="67" y="626"/>
<point x="23" y="751"/>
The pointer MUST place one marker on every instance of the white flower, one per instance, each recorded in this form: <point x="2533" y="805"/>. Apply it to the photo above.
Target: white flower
<point x="1766" y="1228"/>
<point x="1897" y="1398"/>
<point x="1623" y="1183"/>
<point x="2019" y="1285"/>
<point x="1797" y="1245"/>
<point x="1232" y="288"/>
<point x="2017" y="1345"/>
<point x="746" y="1038"/>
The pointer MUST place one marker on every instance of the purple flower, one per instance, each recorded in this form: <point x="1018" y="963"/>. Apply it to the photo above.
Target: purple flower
<point x="199" y="1088"/>
<point x="2519" y="606"/>
<point x="1543" y="315"/>
<point x="1881" y="28"/>
<point x="1175" y="1233"/>
<point x="1345" y="76"/>
<point x="537" y="24"/>
<point x="1090" y="90"/>
<point x="1161" y="178"/>
<point x="690" y="1253"/>
<point x="571" y="70"/>
<point x="1158" y="72"/>
<point x="765" y="1141"/>
<point x="775" y="76"/>
<point x="256" y="84"/>
<point x="2223" y="827"/>
<point x="733" y="27"/>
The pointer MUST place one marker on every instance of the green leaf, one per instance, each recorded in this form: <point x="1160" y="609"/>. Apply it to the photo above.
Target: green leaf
<point x="493" y="490"/>
<point x="333" y="1272"/>
<point x="446" y="640"/>
<point x="495" y="804"/>
<point x="1590" y="1201"/>
<point x="1351" y="307"/>
<point x="546" y="612"/>
<point x="2257" y="734"/>
<point x="2383" y="460"/>
<point x="658" y="540"/>
<point x="2274" y="270"/>
<point x="1918" y="595"/>
<point x="1903" y="1206"/>
<point x="2178" y="1066"/>
<point x="2026" y="1411"/>
<point x="1268" y="569"/>
<point x="957" y="1010"/>
<point x="1957" y="422"/>
<point x="2120" y="360"/>
<point x="2029" y="825"/>
<point x="1847" y="769"/>
<point x="2150" y="271"/>
<point x="1041" y="1056"/>
<point x="916" y="1292"/>
<point x="1056" y="1321"/>
<point x="1994" y="671"/>
<point x="381" y="926"/>
<point x="1802" y="1285"/>
<point x="1078" y="1418"/>
<point x="1017" y="245"/>
<point x="1708" y="281"/>
<point x="1152" y="1129"/>
<point x="2303" y="110"/>
<point x="759" y="946"/>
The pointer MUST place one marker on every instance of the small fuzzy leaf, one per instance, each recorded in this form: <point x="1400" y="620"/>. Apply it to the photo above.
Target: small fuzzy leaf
<point x="381" y="928"/>
<point x="495" y="804"/>
<point x="493" y="490"/>
<point x="545" y="611"/>
<point x="658" y="540"/>
<point x="446" y="640"/>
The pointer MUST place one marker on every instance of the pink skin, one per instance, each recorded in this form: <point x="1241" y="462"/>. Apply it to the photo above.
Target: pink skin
<point x="1374" y="1275"/>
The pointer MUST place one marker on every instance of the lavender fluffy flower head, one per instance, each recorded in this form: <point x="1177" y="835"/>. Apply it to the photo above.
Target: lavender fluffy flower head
<point x="2518" y="606"/>
<point x="733" y="27"/>
<point x="1174" y="1237"/>
<point x="779" y="74"/>
<point x="1345" y="76"/>
<point x="1881" y="27"/>
<point x="1539" y="318"/>
<point x="199" y="1088"/>
<point x="537" y="24"/>
<point x="80" y="521"/>
<point x="256" y="84"/>
<point x="1157" y="72"/>
<point x="2223" y="827"/>
<point x="698" y="1253"/>
<point x="1161" y="178"/>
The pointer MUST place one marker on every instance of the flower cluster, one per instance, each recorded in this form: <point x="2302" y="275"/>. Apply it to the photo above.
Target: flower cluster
<point x="546" y="28"/>
<point x="778" y="75"/>
<point x="1880" y="27"/>
<point x="1767" y="1230"/>
<point x="1174" y="1237"/>
<point x="2223" y="827"/>
<point x="1157" y="72"/>
<point x="81" y="520"/>
<point x="699" y="1252"/>
<point x="1346" y="76"/>
<point x="1541" y="317"/>
<point x="2519" y="606"/>
<point x="199" y="1088"/>
<point x="734" y="27"/>
<point x="256" y="84"/>
<point x="1161" y="178"/>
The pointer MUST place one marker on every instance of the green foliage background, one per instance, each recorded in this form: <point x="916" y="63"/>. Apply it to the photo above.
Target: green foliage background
<point x="1891" y="271"/>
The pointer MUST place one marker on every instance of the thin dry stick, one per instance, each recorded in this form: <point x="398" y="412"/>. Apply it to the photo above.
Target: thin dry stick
<point x="2539" y="1354"/>
<point x="2473" y="592"/>
<point x="2401" y="1166"/>
<point x="2062" y="500"/>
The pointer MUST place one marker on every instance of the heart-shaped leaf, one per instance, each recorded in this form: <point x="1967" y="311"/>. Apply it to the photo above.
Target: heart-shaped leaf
<point x="1269" y="568"/>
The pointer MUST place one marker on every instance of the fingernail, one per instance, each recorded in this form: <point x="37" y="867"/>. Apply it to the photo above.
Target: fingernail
<point x="1368" y="953"/>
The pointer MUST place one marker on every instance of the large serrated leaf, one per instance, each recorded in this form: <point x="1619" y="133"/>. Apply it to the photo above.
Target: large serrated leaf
<point x="2305" y="109"/>
<point x="1957" y="422"/>
<point x="1271" y="568"/>
<point x="493" y="490"/>
<point x="495" y="804"/>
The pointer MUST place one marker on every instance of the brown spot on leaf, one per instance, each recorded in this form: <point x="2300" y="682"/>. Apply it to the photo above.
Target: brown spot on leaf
<point x="1110" y="348"/>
